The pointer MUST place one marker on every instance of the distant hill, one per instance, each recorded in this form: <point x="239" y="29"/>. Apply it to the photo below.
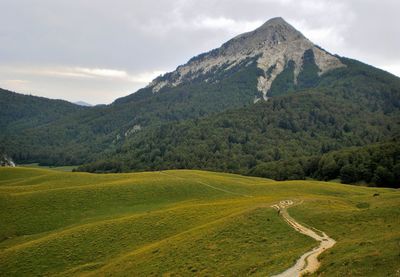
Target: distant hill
<point x="21" y="112"/>
<point x="82" y="103"/>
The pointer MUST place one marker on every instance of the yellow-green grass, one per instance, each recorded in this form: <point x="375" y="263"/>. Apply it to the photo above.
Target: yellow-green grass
<point x="367" y="230"/>
<point x="185" y="223"/>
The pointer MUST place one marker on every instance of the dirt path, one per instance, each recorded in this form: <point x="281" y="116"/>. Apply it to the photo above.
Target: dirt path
<point x="207" y="185"/>
<point x="308" y="262"/>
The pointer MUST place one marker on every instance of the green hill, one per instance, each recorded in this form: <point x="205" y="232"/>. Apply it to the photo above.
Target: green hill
<point x="187" y="223"/>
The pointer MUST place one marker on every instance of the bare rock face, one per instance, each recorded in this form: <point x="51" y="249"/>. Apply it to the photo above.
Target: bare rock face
<point x="272" y="45"/>
<point x="6" y="161"/>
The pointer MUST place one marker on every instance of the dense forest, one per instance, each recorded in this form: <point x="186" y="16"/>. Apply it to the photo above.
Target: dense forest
<point x="360" y="109"/>
<point x="376" y="164"/>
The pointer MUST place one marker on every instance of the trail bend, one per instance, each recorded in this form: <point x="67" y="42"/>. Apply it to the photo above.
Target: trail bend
<point x="308" y="262"/>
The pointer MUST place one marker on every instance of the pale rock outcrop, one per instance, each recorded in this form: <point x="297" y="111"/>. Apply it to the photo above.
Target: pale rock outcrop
<point x="272" y="45"/>
<point x="6" y="161"/>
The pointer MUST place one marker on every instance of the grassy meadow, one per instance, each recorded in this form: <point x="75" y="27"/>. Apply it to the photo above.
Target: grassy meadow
<point x="188" y="223"/>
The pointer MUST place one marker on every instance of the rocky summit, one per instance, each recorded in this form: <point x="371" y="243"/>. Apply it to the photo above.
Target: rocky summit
<point x="273" y="47"/>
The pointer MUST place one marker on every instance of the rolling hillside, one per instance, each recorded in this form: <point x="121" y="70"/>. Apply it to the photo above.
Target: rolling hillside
<point x="187" y="223"/>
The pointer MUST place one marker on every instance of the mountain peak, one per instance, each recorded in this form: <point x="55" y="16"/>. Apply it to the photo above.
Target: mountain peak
<point x="279" y="25"/>
<point x="272" y="46"/>
<point x="272" y="32"/>
<point x="82" y="103"/>
<point x="275" y="21"/>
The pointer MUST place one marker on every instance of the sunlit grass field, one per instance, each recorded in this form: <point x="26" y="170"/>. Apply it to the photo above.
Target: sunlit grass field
<point x="188" y="223"/>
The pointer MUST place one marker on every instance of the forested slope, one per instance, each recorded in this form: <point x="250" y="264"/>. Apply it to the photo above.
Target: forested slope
<point x="354" y="106"/>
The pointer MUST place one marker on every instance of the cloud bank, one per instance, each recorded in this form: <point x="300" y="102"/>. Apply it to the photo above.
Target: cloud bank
<point x="97" y="50"/>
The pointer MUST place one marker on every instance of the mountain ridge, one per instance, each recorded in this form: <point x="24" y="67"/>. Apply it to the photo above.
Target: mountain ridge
<point x="271" y="46"/>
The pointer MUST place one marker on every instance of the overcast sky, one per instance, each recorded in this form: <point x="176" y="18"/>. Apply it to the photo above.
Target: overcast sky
<point x="97" y="50"/>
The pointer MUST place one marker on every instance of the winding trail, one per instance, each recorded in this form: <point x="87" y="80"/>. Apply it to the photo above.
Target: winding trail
<point x="207" y="185"/>
<point x="308" y="262"/>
